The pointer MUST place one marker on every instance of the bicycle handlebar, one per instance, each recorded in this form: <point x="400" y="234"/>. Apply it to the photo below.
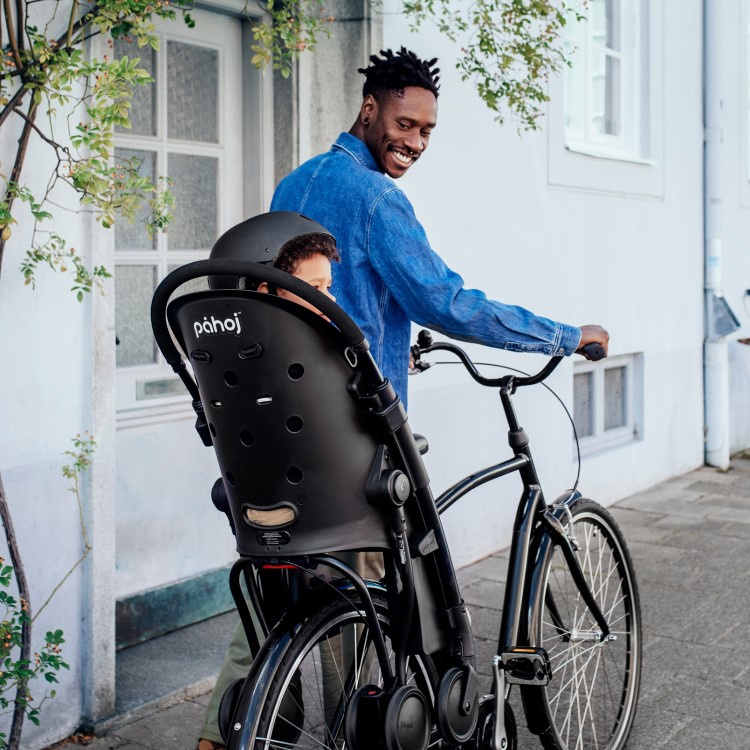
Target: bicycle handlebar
<point x="425" y="345"/>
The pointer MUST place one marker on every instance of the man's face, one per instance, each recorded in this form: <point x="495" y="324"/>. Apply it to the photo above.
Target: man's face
<point x="399" y="128"/>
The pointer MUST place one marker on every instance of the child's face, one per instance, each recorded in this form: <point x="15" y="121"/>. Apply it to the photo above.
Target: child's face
<point x="316" y="271"/>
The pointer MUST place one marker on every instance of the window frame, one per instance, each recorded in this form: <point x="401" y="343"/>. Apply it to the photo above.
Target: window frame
<point x="603" y="439"/>
<point x="582" y="47"/>
<point x="133" y="379"/>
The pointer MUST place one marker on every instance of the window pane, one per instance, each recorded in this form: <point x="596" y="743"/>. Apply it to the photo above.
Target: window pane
<point x="615" y="399"/>
<point x="143" y="103"/>
<point x="133" y="236"/>
<point x="195" y="193"/>
<point x="583" y="403"/>
<point x="134" y="287"/>
<point x="192" y="92"/>
<point x="194" y="285"/>
<point x="605" y="94"/>
<point x="605" y="23"/>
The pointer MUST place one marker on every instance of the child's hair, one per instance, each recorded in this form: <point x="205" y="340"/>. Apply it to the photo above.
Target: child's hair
<point x="392" y="73"/>
<point x="303" y="247"/>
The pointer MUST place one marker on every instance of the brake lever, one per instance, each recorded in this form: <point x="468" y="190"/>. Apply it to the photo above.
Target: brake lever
<point x="419" y="365"/>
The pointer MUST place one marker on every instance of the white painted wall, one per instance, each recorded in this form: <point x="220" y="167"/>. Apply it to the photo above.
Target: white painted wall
<point x="45" y="395"/>
<point x="580" y="240"/>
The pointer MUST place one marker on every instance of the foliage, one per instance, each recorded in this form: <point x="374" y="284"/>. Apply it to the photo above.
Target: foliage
<point x="509" y="48"/>
<point x="72" y="102"/>
<point x="292" y="27"/>
<point x="15" y="673"/>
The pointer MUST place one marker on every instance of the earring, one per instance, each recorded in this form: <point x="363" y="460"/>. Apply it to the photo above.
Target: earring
<point x="365" y="120"/>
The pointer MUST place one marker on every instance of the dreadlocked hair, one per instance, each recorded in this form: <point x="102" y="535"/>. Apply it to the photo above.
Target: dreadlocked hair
<point x="393" y="72"/>
<point x="303" y="247"/>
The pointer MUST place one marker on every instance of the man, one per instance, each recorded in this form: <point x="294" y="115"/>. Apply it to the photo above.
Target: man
<point x="389" y="275"/>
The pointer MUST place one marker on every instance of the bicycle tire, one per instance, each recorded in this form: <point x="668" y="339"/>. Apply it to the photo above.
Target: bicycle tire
<point x="591" y="699"/>
<point x="301" y="710"/>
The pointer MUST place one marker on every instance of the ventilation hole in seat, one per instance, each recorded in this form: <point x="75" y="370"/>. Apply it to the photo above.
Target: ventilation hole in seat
<point x="230" y="478"/>
<point x="296" y="371"/>
<point x="294" y="423"/>
<point x="294" y="475"/>
<point x="212" y="428"/>
<point x="216" y="403"/>
<point x="246" y="438"/>
<point x="230" y="378"/>
<point x="263" y="400"/>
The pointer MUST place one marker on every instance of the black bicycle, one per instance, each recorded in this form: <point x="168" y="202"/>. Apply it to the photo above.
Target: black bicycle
<point x="319" y="464"/>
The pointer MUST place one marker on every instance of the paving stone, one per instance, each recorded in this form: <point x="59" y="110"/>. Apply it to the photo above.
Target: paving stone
<point x="630" y="517"/>
<point x="492" y="568"/>
<point x="484" y="593"/>
<point x="736" y="515"/>
<point x="698" y="733"/>
<point x="176" y="727"/>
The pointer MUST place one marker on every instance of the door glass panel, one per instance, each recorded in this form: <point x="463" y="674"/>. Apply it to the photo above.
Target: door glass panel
<point x="195" y="194"/>
<point x="134" y="287"/>
<point x="133" y="236"/>
<point x="193" y="92"/>
<point x="143" y="103"/>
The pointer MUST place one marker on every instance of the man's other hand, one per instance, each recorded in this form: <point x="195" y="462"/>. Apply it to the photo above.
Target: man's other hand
<point x="593" y="334"/>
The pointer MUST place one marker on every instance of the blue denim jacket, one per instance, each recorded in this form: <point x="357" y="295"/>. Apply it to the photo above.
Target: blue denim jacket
<point x="389" y="275"/>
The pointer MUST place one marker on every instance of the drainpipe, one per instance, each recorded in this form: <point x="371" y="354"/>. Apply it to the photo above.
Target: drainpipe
<point x="717" y="29"/>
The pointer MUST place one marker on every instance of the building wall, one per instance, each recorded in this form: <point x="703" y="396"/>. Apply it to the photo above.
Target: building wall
<point x="45" y="395"/>
<point x="577" y="239"/>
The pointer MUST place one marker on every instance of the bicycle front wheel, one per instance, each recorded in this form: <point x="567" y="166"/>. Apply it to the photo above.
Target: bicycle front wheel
<point x="331" y="656"/>
<point x="590" y="702"/>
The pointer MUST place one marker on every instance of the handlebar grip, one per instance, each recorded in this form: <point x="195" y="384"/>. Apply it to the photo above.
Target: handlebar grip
<point x="593" y="351"/>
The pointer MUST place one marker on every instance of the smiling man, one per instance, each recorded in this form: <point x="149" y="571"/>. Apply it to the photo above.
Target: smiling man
<point x="389" y="275"/>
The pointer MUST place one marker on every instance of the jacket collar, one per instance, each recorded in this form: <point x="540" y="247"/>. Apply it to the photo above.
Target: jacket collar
<point x="357" y="149"/>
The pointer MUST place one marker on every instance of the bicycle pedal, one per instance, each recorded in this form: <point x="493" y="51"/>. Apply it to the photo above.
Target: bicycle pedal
<point x="526" y="666"/>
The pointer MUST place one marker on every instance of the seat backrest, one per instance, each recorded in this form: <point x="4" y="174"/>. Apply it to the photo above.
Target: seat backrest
<point x="294" y="449"/>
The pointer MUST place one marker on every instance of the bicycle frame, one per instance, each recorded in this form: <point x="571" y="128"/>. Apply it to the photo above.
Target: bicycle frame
<point x="536" y="523"/>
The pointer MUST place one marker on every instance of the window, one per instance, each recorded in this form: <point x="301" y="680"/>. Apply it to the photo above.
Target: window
<point x="186" y="126"/>
<point x="607" y="402"/>
<point x="603" y="89"/>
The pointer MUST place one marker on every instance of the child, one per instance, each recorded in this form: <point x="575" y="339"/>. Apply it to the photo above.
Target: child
<point x="307" y="257"/>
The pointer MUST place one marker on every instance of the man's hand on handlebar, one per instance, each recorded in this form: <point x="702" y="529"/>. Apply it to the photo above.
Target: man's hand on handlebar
<point x="593" y="337"/>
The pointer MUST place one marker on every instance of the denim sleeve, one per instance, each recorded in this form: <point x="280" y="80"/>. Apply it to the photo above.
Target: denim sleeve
<point x="433" y="295"/>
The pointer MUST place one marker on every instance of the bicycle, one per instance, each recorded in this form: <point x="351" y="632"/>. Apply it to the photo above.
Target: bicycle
<point x="387" y="664"/>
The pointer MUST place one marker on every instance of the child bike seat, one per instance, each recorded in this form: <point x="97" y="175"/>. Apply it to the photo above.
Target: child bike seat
<point x="294" y="447"/>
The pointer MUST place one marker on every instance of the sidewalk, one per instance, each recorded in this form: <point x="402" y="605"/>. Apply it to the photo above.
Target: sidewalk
<point x="690" y="542"/>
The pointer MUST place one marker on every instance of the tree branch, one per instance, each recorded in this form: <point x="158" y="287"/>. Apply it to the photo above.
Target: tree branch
<point x="12" y="40"/>
<point x="23" y="143"/>
<point x="38" y="131"/>
<point x="14" y="738"/>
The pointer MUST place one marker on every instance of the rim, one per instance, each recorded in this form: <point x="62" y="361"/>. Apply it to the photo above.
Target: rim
<point x="591" y="698"/>
<point x="339" y="657"/>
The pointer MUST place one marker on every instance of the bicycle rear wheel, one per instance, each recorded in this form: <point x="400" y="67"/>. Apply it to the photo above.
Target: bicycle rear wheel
<point x="590" y="702"/>
<point x="331" y="656"/>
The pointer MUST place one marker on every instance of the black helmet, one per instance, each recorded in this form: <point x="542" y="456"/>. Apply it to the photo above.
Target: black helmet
<point x="261" y="240"/>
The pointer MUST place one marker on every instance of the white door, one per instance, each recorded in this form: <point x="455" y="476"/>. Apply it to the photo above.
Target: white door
<point x="187" y="126"/>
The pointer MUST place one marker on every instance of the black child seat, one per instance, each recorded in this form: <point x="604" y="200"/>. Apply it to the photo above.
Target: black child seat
<point x="294" y="450"/>
<point x="281" y="391"/>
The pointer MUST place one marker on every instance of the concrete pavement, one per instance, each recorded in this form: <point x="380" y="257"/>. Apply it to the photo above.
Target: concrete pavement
<point x="690" y="542"/>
